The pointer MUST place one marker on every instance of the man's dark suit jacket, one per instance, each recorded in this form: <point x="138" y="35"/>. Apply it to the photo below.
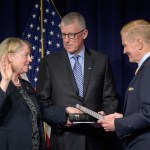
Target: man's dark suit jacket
<point x="134" y="128"/>
<point x="56" y="86"/>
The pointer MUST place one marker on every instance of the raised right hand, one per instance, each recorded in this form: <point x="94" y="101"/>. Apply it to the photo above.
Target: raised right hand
<point x="6" y="72"/>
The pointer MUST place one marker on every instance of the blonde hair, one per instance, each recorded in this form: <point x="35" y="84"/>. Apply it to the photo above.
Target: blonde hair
<point x="137" y="28"/>
<point x="11" y="45"/>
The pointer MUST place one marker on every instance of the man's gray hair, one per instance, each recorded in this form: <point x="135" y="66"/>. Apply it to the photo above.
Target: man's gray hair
<point x="137" y="28"/>
<point x="72" y="17"/>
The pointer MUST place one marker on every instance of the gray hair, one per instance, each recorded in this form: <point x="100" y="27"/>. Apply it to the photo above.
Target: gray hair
<point x="72" y="17"/>
<point x="137" y="28"/>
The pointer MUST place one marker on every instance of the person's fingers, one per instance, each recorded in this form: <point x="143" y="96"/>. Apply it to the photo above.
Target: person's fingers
<point x="102" y="113"/>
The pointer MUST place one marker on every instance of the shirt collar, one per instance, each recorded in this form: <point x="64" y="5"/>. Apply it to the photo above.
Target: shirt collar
<point x="143" y="59"/>
<point x="81" y="54"/>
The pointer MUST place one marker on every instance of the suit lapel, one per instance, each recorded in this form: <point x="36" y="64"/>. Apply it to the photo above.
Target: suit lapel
<point x="88" y="66"/>
<point x="147" y="61"/>
<point x="127" y="92"/>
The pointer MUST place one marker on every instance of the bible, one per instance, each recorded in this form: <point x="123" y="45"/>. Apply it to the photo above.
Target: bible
<point x="89" y="116"/>
<point x="81" y="118"/>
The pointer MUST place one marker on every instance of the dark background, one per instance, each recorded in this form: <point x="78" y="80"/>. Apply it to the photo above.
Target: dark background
<point x="104" y="20"/>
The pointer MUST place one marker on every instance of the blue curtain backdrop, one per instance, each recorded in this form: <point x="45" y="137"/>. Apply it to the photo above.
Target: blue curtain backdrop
<point x="104" y="20"/>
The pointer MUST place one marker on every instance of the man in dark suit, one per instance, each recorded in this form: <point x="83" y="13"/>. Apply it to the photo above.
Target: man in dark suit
<point x="134" y="127"/>
<point x="58" y="86"/>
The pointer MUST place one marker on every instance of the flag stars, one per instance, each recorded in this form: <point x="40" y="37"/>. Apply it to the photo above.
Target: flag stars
<point x="35" y="79"/>
<point x="47" y="11"/>
<point x="52" y="33"/>
<point x="29" y="36"/>
<point x="52" y="23"/>
<point x="39" y="60"/>
<point x="58" y="35"/>
<point x="51" y="39"/>
<point x="33" y="47"/>
<point x="59" y="25"/>
<point x="31" y="25"/>
<point x="32" y="57"/>
<point x="41" y="40"/>
<point x="40" y="50"/>
<point x="47" y="52"/>
<point x="53" y="13"/>
<point x="36" y="6"/>
<point x="38" y="28"/>
<point x="57" y="45"/>
<point x="37" y="69"/>
<point x="30" y="67"/>
<point x="36" y="38"/>
<point x="33" y="16"/>
<point x="49" y="42"/>
<point x="45" y="20"/>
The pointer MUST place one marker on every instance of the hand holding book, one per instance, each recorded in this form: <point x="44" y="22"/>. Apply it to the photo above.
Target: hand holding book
<point x="89" y="116"/>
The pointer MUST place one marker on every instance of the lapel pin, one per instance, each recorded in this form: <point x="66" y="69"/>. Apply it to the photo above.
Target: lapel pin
<point x="130" y="89"/>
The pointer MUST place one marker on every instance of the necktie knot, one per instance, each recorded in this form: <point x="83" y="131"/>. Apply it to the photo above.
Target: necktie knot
<point x="76" y="57"/>
<point x="77" y="63"/>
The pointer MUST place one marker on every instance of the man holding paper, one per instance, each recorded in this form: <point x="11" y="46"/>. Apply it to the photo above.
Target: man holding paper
<point x="133" y="126"/>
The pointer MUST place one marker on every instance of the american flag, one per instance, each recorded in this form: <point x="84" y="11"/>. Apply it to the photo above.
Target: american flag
<point x="51" y="35"/>
<point x="51" y="39"/>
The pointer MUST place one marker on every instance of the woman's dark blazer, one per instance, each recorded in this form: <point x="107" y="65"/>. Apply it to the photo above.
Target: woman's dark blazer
<point x="15" y="119"/>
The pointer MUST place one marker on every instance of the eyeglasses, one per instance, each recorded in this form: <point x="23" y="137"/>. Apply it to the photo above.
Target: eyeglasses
<point x="70" y="35"/>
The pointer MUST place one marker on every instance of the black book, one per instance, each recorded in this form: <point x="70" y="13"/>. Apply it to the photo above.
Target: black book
<point x="81" y="118"/>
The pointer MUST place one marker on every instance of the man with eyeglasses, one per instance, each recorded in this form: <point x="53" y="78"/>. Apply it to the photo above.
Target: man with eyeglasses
<point x="77" y="75"/>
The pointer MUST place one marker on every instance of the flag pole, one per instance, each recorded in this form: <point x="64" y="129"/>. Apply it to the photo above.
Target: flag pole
<point x="42" y="37"/>
<point x="56" y="9"/>
<point x="42" y="45"/>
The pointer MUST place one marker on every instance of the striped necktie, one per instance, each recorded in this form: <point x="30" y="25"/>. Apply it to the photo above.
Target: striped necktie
<point x="77" y="71"/>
